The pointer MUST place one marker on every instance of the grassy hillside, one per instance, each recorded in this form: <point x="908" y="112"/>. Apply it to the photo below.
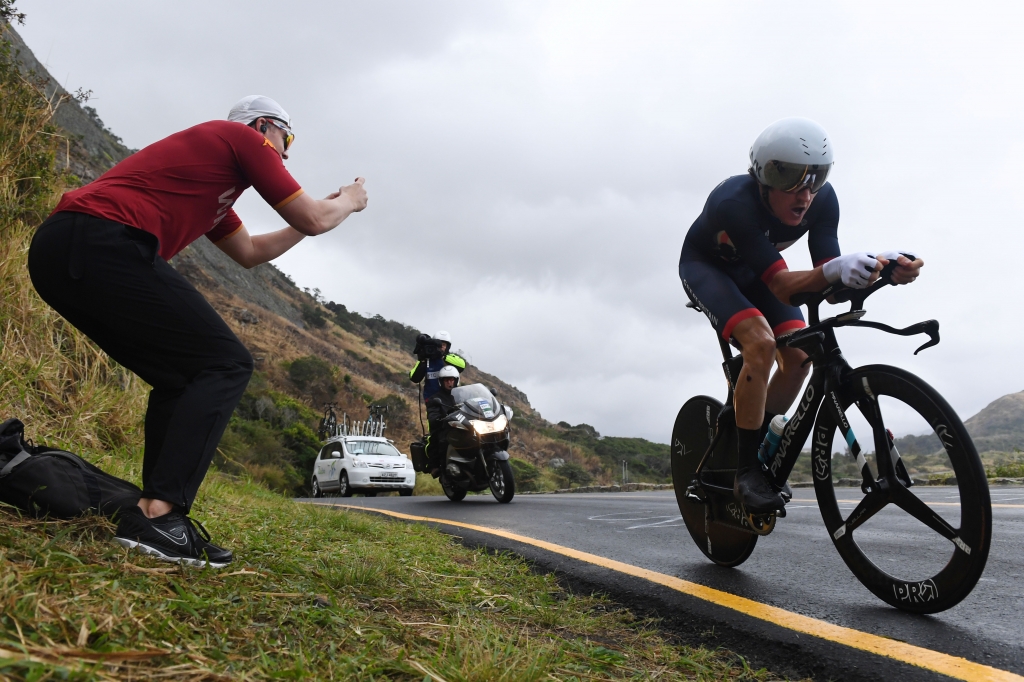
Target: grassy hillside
<point x="313" y="593"/>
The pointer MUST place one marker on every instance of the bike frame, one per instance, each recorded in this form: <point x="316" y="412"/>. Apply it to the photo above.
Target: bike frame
<point x="829" y="375"/>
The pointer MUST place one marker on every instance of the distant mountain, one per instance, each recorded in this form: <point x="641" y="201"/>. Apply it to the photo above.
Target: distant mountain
<point x="1000" y="426"/>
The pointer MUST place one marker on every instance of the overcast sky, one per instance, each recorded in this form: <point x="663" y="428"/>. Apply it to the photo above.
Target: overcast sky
<point x="533" y="168"/>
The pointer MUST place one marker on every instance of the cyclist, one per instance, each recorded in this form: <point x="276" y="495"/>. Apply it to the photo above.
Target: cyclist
<point x="432" y="355"/>
<point x="731" y="268"/>
<point x="101" y="259"/>
<point x="440" y="405"/>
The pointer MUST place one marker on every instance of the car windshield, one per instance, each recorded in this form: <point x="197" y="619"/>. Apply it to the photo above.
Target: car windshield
<point x="477" y="398"/>
<point x="371" y="447"/>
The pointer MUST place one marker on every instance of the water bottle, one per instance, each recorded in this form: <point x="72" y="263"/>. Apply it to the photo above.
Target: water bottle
<point x="772" y="438"/>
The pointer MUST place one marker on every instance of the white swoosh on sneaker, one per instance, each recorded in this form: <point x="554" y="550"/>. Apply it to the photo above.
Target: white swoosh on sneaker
<point x="183" y="540"/>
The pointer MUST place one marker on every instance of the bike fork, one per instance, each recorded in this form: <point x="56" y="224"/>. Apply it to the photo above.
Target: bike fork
<point x="867" y="477"/>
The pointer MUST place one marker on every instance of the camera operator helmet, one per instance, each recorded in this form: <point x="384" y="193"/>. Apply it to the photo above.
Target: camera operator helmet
<point x="448" y="372"/>
<point x="791" y="154"/>
<point x="444" y="337"/>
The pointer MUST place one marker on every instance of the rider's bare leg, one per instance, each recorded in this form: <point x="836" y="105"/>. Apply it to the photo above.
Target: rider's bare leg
<point x="751" y="487"/>
<point x="758" y="343"/>
<point x="786" y="383"/>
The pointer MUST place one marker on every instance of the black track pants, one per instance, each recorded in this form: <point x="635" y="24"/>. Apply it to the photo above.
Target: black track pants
<point x="108" y="281"/>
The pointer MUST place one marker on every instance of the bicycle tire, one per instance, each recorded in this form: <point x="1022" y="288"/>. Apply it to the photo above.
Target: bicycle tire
<point x="691" y="436"/>
<point x="968" y="556"/>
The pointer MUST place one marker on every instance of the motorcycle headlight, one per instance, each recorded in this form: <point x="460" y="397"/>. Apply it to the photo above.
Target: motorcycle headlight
<point x="483" y="428"/>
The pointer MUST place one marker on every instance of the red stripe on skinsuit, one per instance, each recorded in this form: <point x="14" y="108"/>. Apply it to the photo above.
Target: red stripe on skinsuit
<point x="787" y="327"/>
<point x="775" y="268"/>
<point x="823" y="261"/>
<point x="737" y="318"/>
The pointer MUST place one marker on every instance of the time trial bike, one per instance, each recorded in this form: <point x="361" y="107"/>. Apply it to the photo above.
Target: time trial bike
<point x="704" y="457"/>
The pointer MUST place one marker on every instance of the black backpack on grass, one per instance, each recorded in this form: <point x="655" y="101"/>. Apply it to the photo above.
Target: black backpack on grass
<point x="43" y="481"/>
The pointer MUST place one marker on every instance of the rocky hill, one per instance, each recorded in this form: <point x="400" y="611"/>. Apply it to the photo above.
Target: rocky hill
<point x="309" y="351"/>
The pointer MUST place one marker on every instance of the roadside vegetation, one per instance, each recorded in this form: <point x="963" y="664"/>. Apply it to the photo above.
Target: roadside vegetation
<point x="314" y="593"/>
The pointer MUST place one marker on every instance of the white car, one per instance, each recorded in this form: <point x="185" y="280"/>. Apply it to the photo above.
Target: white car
<point x="362" y="464"/>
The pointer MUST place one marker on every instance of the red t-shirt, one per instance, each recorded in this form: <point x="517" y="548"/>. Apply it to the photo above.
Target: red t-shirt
<point x="183" y="186"/>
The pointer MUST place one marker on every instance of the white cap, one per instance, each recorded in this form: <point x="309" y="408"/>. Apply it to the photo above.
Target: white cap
<point x="250" y="108"/>
<point x="443" y="336"/>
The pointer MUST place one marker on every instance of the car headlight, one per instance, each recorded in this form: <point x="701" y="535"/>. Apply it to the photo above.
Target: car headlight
<point x="483" y="428"/>
<point x="356" y="464"/>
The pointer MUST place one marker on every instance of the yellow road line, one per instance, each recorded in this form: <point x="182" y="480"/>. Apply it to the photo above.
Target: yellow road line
<point x="952" y="666"/>
<point x="928" y="502"/>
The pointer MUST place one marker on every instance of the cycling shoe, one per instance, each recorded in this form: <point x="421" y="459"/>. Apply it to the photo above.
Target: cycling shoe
<point x="754" y="491"/>
<point x="785" y="492"/>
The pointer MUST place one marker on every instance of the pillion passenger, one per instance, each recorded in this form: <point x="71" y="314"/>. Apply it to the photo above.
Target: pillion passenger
<point x="100" y="260"/>
<point x="440" y="405"/>
<point x="432" y="356"/>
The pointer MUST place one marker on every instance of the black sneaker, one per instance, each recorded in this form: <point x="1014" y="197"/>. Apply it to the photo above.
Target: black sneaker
<point x="172" y="537"/>
<point x="754" y="491"/>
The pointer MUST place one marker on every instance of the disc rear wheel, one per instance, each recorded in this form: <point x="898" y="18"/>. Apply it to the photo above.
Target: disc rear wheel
<point x="692" y="434"/>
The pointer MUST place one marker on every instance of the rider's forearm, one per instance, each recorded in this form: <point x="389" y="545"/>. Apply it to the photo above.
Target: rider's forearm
<point x="787" y="283"/>
<point x="313" y="217"/>
<point x="267" y="247"/>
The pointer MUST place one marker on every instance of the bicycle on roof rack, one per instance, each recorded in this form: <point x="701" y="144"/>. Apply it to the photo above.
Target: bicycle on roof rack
<point x="928" y="572"/>
<point x="373" y="426"/>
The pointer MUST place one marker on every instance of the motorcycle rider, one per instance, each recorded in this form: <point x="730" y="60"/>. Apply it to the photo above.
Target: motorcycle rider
<point x="440" y="405"/>
<point x="432" y="355"/>
<point x="731" y="268"/>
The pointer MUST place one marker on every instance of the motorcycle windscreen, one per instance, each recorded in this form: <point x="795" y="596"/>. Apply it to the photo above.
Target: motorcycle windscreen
<point x="477" y="399"/>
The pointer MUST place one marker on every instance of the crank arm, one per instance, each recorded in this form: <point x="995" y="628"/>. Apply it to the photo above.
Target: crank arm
<point x="929" y="327"/>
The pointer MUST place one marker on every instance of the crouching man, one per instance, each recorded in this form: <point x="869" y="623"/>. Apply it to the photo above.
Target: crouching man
<point x="100" y="260"/>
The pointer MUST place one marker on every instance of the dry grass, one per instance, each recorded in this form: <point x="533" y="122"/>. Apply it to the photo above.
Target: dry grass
<point x="48" y="370"/>
<point x="315" y="593"/>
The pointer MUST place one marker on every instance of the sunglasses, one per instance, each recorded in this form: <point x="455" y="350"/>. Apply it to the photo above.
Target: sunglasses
<point x="289" y="136"/>
<point x="790" y="177"/>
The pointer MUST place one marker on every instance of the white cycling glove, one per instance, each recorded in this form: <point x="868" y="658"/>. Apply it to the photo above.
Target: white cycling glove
<point x="853" y="270"/>
<point x="894" y="255"/>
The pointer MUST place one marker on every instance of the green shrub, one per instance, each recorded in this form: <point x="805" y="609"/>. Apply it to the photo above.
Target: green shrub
<point x="526" y="474"/>
<point x="313" y="376"/>
<point x="313" y="316"/>
<point x="1007" y="470"/>
<point x="574" y="474"/>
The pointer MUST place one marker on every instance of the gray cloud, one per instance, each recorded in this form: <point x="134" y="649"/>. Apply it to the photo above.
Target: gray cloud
<point x="533" y="167"/>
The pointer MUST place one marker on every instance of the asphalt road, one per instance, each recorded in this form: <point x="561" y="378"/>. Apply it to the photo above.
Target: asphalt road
<point x="796" y="568"/>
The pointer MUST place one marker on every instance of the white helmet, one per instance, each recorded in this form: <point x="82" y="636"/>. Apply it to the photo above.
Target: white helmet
<point x="790" y="154"/>
<point x="448" y="371"/>
<point x="443" y="336"/>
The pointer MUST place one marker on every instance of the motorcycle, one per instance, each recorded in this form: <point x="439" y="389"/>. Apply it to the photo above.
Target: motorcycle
<point x="478" y="441"/>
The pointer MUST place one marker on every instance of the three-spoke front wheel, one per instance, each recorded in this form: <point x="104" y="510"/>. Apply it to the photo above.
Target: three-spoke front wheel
<point x="920" y="549"/>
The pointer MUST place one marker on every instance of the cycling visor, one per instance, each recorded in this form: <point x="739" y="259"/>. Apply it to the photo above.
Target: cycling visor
<point x="791" y="177"/>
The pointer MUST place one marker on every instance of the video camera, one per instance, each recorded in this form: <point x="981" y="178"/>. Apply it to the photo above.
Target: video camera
<point x="426" y="347"/>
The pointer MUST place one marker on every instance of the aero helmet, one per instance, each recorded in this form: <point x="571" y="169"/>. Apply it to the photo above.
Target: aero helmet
<point x="448" y="372"/>
<point x="790" y="154"/>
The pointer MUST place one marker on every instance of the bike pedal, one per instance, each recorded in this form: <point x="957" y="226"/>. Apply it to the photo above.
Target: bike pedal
<point x="761" y="524"/>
